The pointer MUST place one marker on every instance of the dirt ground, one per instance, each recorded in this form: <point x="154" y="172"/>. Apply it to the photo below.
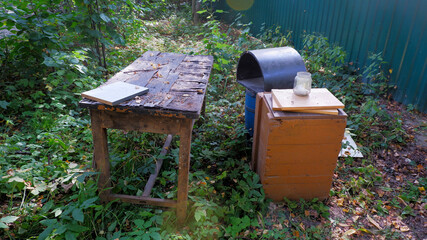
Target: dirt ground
<point x="408" y="163"/>
<point x="401" y="168"/>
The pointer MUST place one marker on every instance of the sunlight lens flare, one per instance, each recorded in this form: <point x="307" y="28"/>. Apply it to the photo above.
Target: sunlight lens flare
<point x="240" y="5"/>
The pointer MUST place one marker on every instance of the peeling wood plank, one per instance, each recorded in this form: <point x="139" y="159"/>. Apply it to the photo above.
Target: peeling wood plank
<point x="175" y="81"/>
<point x="150" y="55"/>
<point x="186" y="86"/>
<point x="162" y="110"/>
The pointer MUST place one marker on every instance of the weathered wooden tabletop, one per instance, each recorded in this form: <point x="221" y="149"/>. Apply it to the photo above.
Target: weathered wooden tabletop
<point x="177" y="85"/>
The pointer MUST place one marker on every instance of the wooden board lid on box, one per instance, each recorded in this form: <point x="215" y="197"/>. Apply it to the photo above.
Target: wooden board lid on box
<point x="320" y="100"/>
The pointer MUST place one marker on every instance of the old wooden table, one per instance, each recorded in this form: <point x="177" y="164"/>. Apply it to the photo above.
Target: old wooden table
<point x="177" y="86"/>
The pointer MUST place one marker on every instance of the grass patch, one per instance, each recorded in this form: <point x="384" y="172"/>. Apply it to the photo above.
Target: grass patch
<point x="47" y="188"/>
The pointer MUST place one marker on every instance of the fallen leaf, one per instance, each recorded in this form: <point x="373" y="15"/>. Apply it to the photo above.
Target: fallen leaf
<point x="395" y="224"/>
<point x="350" y="232"/>
<point x="314" y="213"/>
<point x="365" y="230"/>
<point x="355" y="218"/>
<point x="343" y="225"/>
<point x="402" y="201"/>
<point x="340" y="202"/>
<point x="67" y="186"/>
<point x="359" y="211"/>
<point x="307" y="213"/>
<point x="295" y="233"/>
<point x="278" y="226"/>
<point x="404" y="228"/>
<point x="302" y="226"/>
<point x="422" y="189"/>
<point x="371" y="220"/>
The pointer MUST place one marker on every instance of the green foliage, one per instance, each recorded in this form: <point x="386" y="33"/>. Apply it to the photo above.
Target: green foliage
<point x="321" y="55"/>
<point x="299" y="207"/>
<point x="372" y="119"/>
<point x="46" y="184"/>
<point x="274" y="36"/>
<point x="63" y="42"/>
<point x="7" y="220"/>
<point x="239" y="224"/>
<point x="375" y="127"/>
<point x="411" y="192"/>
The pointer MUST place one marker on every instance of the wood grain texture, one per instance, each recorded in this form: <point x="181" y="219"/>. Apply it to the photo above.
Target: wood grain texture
<point x="306" y="131"/>
<point x="100" y="154"/>
<point x="320" y="111"/>
<point x="136" y="122"/>
<point x="278" y="154"/>
<point x="282" y="179"/>
<point x="177" y="85"/>
<point x="256" y="140"/>
<point x="176" y="82"/>
<point x="298" y="190"/>
<point x="295" y="154"/>
<point x="183" y="169"/>
<point x="298" y="115"/>
<point x="319" y="98"/>
<point x="299" y="170"/>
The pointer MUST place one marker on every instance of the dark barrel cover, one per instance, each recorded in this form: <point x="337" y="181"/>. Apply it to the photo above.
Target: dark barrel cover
<point x="272" y="68"/>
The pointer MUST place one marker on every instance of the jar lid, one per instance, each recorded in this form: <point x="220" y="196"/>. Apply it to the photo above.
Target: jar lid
<point x="303" y="74"/>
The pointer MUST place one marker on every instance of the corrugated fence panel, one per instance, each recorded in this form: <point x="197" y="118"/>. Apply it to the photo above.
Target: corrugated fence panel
<point x="395" y="28"/>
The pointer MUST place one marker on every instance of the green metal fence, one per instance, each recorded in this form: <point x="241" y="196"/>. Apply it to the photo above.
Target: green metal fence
<point x="396" y="28"/>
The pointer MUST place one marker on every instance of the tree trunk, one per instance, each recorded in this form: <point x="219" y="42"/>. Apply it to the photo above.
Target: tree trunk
<point x="195" y="7"/>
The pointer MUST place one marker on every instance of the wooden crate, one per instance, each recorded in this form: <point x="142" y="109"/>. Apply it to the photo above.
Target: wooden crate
<point x="295" y="154"/>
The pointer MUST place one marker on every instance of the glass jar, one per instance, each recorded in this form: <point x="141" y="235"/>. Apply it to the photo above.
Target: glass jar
<point x="302" y="84"/>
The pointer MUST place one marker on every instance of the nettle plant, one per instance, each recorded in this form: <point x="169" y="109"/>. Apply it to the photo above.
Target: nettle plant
<point x="50" y="45"/>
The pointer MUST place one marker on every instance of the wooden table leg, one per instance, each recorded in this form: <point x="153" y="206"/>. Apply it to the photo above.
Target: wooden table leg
<point x="183" y="169"/>
<point x="100" y="153"/>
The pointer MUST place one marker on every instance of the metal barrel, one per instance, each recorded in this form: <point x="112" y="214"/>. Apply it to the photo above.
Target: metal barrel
<point x="272" y="68"/>
<point x="265" y="69"/>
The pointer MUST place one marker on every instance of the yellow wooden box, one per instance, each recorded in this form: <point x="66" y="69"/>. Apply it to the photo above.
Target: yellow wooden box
<point x="295" y="154"/>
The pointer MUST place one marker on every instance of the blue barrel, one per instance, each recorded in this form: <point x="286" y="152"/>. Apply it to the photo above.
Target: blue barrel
<point x="250" y="101"/>
<point x="264" y="69"/>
